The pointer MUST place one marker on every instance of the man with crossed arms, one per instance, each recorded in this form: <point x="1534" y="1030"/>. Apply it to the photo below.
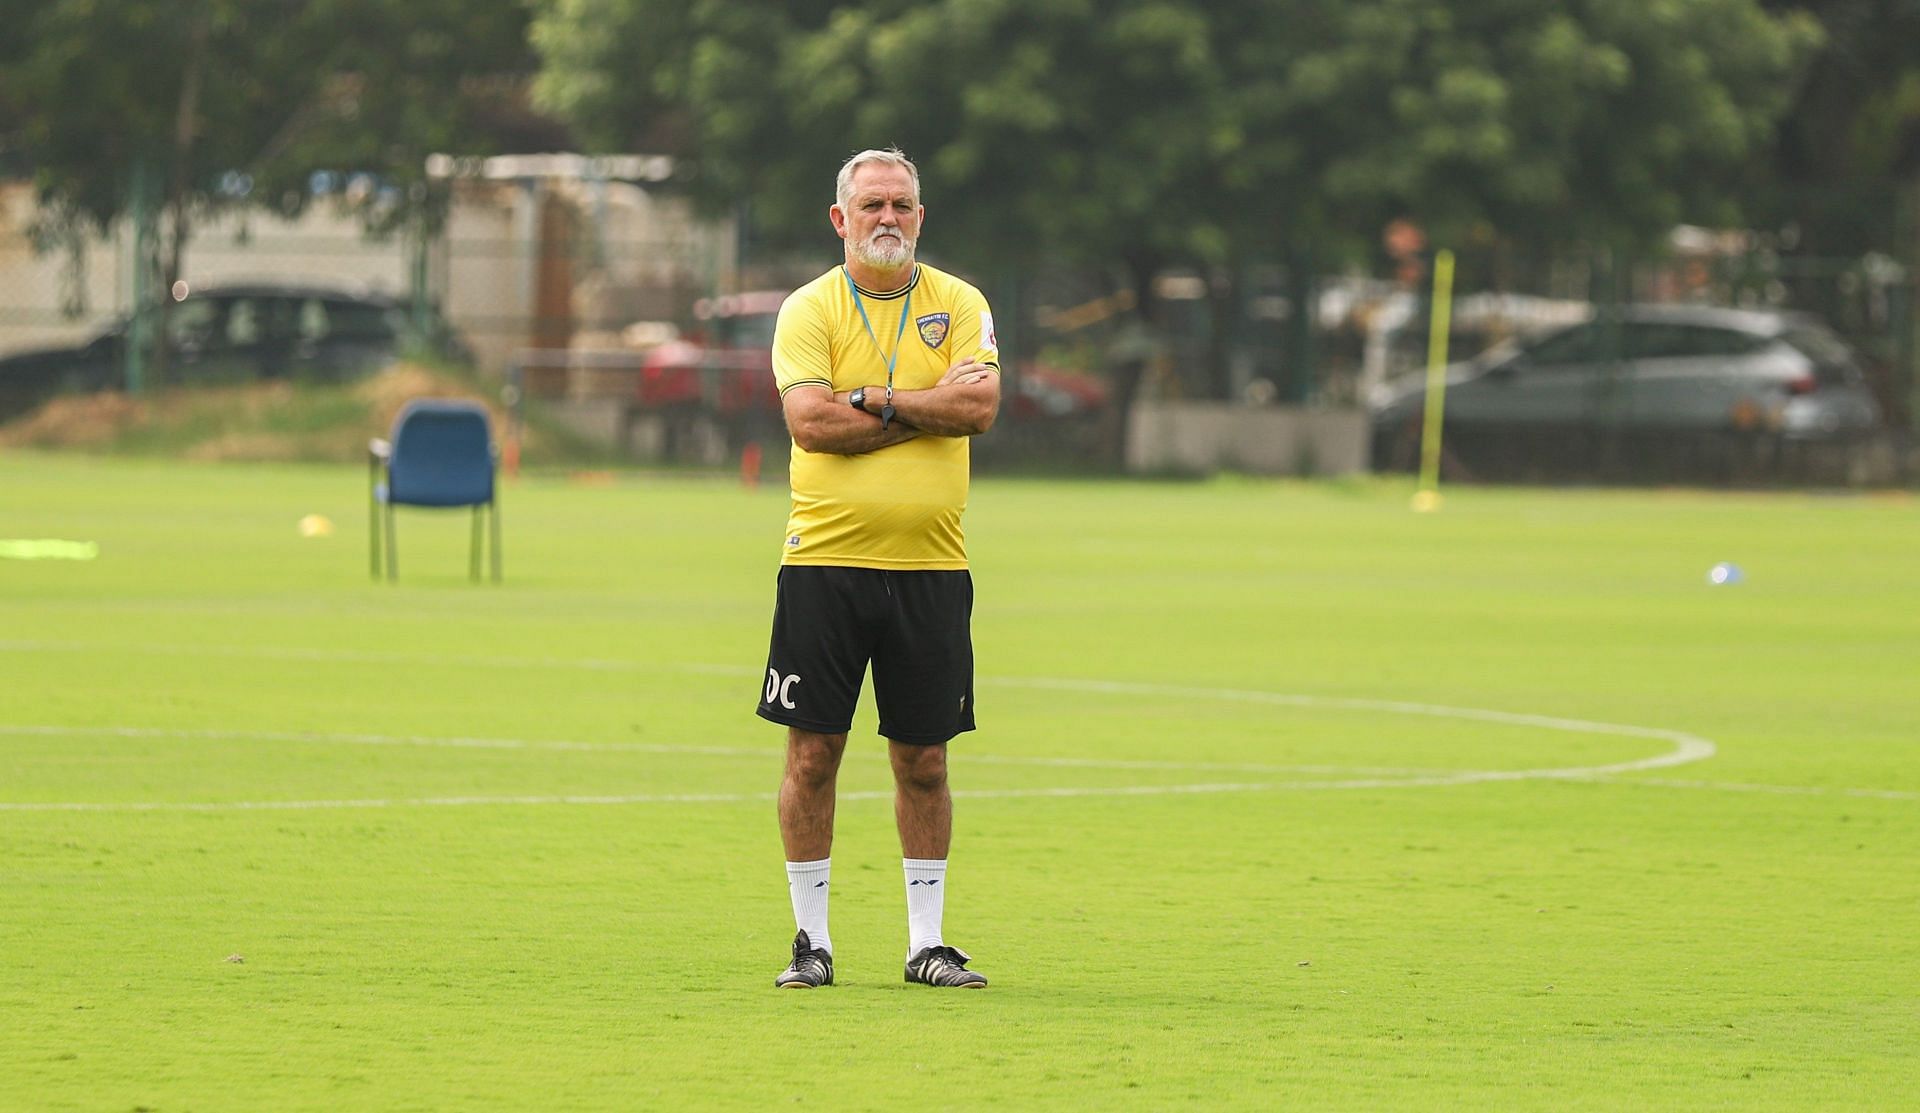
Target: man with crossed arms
<point x="886" y="367"/>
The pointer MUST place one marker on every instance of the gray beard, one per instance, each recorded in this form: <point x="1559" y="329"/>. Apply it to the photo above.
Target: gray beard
<point x="873" y="255"/>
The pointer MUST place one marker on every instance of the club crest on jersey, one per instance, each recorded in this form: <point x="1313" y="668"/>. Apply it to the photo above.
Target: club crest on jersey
<point x="933" y="328"/>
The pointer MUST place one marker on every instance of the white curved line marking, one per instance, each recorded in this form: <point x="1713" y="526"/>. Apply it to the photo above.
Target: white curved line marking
<point x="1686" y="748"/>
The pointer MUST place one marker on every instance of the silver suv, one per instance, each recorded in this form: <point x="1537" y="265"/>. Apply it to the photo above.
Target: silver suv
<point x="1646" y="389"/>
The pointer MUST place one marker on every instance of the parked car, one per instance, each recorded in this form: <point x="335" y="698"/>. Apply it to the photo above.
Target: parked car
<point x="239" y="333"/>
<point x="1643" y="389"/>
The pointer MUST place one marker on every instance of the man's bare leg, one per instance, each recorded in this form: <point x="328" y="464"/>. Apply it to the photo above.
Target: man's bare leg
<point x="923" y="810"/>
<point x="807" y="794"/>
<point x="922" y="805"/>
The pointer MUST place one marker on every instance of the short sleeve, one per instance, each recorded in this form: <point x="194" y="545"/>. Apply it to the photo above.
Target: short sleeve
<point x="802" y="354"/>
<point x="973" y="329"/>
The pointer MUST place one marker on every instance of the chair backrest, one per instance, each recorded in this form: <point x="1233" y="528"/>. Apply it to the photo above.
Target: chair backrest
<point x="442" y="454"/>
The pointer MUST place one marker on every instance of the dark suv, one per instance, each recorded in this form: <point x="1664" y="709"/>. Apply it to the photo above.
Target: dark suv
<point x="235" y="334"/>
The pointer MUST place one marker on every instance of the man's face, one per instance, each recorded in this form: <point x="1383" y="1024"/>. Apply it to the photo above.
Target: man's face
<point x="881" y="223"/>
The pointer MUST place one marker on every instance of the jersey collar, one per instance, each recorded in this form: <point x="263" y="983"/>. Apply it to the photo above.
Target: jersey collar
<point x="900" y="293"/>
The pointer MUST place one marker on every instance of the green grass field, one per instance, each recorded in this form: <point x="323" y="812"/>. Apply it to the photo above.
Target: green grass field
<point x="1236" y="830"/>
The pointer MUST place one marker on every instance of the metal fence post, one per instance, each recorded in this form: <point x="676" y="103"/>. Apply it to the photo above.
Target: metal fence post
<point x="1910" y="336"/>
<point x="144" y="213"/>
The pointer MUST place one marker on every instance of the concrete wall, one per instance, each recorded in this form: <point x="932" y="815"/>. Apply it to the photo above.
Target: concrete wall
<point x="1205" y="437"/>
<point x="629" y="256"/>
<point x="44" y="302"/>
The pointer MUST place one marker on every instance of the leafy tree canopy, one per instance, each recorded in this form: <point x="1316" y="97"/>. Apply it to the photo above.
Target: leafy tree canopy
<point x="237" y="102"/>
<point x="1852" y="134"/>
<point x="1156" y="130"/>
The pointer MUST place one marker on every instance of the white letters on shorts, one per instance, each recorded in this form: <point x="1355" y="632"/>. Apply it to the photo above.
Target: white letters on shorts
<point x="779" y="687"/>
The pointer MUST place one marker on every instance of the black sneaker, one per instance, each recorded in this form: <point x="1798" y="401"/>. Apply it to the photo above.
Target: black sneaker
<point x="944" y="966"/>
<point x="809" y="968"/>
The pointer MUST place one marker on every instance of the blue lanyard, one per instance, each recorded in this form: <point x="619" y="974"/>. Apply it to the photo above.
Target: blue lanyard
<point x="906" y="311"/>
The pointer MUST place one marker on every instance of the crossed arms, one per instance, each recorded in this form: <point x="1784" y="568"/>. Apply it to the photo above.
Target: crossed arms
<point x="962" y="404"/>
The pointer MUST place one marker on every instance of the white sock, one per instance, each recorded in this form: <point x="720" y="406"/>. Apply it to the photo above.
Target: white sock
<point x="926" y="902"/>
<point x="807" y="885"/>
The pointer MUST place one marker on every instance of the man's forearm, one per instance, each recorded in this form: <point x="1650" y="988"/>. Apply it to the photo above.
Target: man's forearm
<point x="841" y="430"/>
<point x="958" y="409"/>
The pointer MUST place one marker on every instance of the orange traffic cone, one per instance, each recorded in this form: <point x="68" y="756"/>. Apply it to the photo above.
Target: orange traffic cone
<point x="750" y="465"/>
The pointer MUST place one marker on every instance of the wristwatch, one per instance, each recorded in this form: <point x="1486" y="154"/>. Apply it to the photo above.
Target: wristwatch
<point x="858" y="399"/>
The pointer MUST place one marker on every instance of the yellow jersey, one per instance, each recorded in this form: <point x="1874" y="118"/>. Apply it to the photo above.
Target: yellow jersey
<point x="898" y="507"/>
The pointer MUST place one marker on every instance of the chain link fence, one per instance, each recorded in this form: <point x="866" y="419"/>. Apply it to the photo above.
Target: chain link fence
<point x="645" y="326"/>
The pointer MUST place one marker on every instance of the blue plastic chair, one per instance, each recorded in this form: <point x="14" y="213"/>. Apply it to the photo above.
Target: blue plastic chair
<point x="441" y="455"/>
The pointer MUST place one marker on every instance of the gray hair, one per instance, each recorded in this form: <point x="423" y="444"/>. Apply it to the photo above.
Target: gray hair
<point x="891" y="156"/>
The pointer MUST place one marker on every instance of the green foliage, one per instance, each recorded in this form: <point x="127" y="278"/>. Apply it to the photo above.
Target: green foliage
<point x="1851" y="139"/>
<point x="236" y="102"/>
<point x="1153" y="130"/>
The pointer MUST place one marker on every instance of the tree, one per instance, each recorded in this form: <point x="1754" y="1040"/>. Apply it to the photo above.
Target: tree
<point x="1138" y="134"/>
<point x="1852" y="132"/>
<point x="192" y="107"/>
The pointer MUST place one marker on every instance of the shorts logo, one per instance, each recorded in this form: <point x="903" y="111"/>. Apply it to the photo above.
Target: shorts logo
<point x="778" y="688"/>
<point x="933" y="328"/>
<point x="793" y="542"/>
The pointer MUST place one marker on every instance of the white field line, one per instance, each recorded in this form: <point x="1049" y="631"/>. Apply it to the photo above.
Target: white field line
<point x="636" y="798"/>
<point x="1687" y="748"/>
<point x="770" y="754"/>
<point x="1776" y="790"/>
<point x="1684" y="748"/>
<point x="768" y="797"/>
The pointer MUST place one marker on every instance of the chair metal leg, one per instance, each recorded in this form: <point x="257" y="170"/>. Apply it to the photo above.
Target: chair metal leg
<point x="493" y="516"/>
<point x="375" y="489"/>
<point x="473" y="546"/>
<point x="393" y="544"/>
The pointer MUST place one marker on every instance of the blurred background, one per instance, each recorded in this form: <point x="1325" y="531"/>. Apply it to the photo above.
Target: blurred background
<point x="1683" y="234"/>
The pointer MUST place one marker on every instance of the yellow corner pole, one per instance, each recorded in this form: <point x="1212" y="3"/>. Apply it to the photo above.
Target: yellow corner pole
<point x="1428" y="496"/>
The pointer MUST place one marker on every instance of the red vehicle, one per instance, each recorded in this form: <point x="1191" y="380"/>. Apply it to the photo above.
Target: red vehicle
<point x="1042" y="393"/>
<point x="725" y="368"/>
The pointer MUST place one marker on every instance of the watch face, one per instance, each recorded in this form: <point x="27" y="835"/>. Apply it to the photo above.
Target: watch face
<point x="858" y="399"/>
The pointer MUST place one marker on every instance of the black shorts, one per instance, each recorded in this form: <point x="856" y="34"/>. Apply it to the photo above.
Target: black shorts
<point x="914" y="627"/>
